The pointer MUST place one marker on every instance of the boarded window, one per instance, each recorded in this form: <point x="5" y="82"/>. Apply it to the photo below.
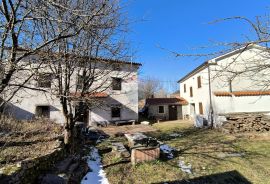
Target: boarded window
<point x="191" y="92"/>
<point x="44" y="80"/>
<point x="116" y="112"/>
<point x="161" y="109"/>
<point x="199" y="82"/>
<point x="201" y="108"/>
<point x="185" y="88"/>
<point x="116" y="83"/>
<point x="43" y="111"/>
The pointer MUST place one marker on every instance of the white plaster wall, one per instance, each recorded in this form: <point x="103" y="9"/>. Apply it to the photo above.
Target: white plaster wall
<point x="242" y="104"/>
<point x="199" y="94"/>
<point x="23" y="105"/>
<point x="248" y="80"/>
<point x="219" y="82"/>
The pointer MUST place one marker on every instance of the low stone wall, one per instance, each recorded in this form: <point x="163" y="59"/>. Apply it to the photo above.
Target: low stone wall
<point x="27" y="171"/>
<point x="246" y="122"/>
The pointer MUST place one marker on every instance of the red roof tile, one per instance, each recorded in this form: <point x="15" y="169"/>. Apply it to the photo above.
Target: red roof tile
<point x="241" y="93"/>
<point x="92" y="95"/>
<point x="166" y="101"/>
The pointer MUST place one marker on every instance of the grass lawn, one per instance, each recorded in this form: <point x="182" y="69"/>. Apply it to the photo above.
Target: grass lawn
<point x="206" y="150"/>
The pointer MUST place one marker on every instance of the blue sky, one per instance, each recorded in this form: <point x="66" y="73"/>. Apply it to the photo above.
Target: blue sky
<point x="181" y="26"/>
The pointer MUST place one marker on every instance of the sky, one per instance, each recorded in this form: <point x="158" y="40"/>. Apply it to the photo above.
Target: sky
<point x="158" y="27"/>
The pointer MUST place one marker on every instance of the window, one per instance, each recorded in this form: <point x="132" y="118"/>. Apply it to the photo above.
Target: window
<point x="199" y="82"/>
<point x="191" y="92"/>
<point x="116" y="66"/>
<point x="44" y="80"/>
<point x="116" y="112"/>
<point x="185" y="89"/>
<point x="116" y="83"/>
<point x="160" y="109"/>
<point x="200" y="108"/>
<point x="80" y="82"/>
<point x="43" y="111"/>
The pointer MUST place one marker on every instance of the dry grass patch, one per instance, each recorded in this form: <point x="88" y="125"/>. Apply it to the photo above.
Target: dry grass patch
<point x="20" y="140"/>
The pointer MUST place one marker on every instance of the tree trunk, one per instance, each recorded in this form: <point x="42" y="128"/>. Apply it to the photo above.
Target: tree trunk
<point x="69" y="133"/>
<point x="67" y="136"/>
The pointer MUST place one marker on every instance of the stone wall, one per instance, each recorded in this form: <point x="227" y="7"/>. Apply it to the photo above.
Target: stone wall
<point x="27" y="171"/>
<point x="246" y="122"/>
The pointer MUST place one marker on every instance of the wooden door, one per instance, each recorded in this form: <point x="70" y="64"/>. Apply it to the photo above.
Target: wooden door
<point x="172" y="112"/>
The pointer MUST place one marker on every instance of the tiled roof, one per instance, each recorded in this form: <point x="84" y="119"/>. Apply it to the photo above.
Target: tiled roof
<point x="166" y="101"/>
<point x="241" y="93"/>
<point x="92" y="95"/>
<point x="118" y="61"/>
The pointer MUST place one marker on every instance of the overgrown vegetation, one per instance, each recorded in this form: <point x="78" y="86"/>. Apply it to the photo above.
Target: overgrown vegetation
<point x="21" y="140"/>
<point x="208" y="151"/>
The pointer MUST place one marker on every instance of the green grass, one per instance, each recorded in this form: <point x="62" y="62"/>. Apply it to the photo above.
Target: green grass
<point x="200" y="147"/>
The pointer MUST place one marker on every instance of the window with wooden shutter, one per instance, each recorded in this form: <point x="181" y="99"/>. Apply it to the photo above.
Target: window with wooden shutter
<point x="201" y="108"/>
<point x="191" y="92"/>
<point x="185" y="89"/>
<point x="199" y="82"/>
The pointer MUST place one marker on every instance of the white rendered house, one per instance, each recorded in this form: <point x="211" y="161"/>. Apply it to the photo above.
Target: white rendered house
<point x="118" y="101"/>
<point x="220" y="83"/>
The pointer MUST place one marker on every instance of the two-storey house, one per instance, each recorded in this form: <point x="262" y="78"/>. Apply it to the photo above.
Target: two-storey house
<point x="115" y="100"/>
<point x="233" y="82"/>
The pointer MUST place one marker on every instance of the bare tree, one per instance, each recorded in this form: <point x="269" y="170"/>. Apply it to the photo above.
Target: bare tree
<point x="29" y="28"/>
<point x="82" y="66"/>
<point x="75" y="44"/>
<point x="148" y="87"/>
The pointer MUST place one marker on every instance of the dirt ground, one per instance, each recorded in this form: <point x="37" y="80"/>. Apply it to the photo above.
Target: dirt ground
<point x="113" y="130"/>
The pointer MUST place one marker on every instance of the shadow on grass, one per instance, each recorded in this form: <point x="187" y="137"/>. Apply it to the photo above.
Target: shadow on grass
<point x="230" y="177"/>
<point x="206" y="146"/>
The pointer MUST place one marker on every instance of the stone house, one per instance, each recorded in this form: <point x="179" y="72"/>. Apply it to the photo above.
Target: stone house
<point x="165" y="108"/>
<point x="220" y="83"/>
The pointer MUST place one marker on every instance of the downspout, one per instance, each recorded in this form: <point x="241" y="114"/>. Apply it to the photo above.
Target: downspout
<point x="211" y="115"/>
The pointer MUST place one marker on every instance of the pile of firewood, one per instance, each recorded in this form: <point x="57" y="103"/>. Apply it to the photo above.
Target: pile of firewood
<point x="247" y="122"/>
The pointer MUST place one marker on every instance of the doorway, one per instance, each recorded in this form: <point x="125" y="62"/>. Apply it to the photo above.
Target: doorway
<point x="172" y="112"/>
<point x="192" y="110"/>
<point x="82" y="113"/>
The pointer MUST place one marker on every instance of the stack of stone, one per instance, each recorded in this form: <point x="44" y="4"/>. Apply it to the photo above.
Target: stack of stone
<point x="246" y="122"/>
